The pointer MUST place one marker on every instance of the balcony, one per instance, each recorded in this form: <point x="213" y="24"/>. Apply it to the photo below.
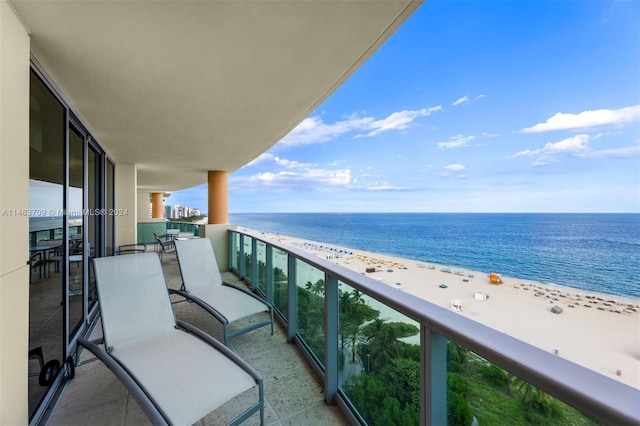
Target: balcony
<point x="350" y="333"/>
<point x="293" y="394"/>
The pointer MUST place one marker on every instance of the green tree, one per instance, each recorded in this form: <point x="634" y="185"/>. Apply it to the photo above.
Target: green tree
<point x="377" y="405"/>
<point x="311" y="318"/>
<point x="456" y="357"/>
<point x="402" y="380"/>
<point x="383" y="341"/>
<point x="496" y="376"/>
<point x="316" y="288"/>
<point x="459" y="412"/>
<point x="354" y="312"/>
<point x="537" y="401"/>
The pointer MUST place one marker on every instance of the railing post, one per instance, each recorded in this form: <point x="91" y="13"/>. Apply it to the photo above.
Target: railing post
<point x="292" y="298"/>
<point x="230" y="248"/>
<point x="269" y="272"/>
<point x="254" y="263"/>
<point x="331" y="310"/>
<point x="433" y="386"/>
<point x="241" y="264"/>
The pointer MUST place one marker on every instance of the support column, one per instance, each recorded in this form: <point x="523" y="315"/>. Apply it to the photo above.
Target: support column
<point x="127" y="200"/>
<point x="157" y="201"/>
<point x="218" y="208"/>
<point x="143" y="204"/>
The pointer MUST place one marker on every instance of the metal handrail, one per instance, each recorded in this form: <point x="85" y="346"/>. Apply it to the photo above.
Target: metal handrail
<point x="592" y="393"/>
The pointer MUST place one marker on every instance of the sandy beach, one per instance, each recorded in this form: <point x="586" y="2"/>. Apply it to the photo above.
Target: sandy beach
<point x="598" y="331"/>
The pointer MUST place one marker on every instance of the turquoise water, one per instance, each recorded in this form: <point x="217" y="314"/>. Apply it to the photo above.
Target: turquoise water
<point x="598" y="252"/>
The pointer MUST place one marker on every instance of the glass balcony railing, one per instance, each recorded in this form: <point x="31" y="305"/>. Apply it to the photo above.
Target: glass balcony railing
<point x="147" y="231"/>
<point x="52" y="233"/>
<point x="387" y="357"/>
<point x="310" y="309"/>
<point x="261" y="257"/>
<point x="184" y="227"/>
<point x="279" y="280"/>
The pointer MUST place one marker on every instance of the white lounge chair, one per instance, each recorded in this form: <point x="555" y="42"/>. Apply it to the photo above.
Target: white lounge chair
<point x="176" y="372"/>
<point x="202" y="284"/>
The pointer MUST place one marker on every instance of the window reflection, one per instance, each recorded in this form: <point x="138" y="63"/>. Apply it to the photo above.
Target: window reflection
<point x="46" y="196"/>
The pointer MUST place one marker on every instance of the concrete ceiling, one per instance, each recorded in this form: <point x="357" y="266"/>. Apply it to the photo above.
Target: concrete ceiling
<point x="183" y="87"/>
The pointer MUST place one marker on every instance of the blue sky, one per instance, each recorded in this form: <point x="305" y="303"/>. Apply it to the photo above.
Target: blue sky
<point x="499" y="106"/>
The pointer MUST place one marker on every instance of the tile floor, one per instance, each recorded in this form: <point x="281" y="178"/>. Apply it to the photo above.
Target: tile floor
<point x="293" y="394"/>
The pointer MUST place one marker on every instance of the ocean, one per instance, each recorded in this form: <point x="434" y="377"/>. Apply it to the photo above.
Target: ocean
<point x="597" y="252"/>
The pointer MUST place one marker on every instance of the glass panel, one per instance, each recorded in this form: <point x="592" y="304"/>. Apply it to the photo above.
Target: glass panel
<point x="110" y="206"/>
<point x="280" y="272"/>
<point x="247" y="257"/>
<point x="75" y="221"/>
<point x="43" y="235"/>
<point x="46" y="196"/>
<point x="261" y="257"/>
<point x="235" y="248"/>
<point x="379" y="359"/>
<point x="310" y="282"/>
<point x="480" y="389"/>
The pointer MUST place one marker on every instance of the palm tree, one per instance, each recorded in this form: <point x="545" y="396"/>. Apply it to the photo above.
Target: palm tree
<point x="531" y="396"/>
<point x="354" y="312"/>
<point x="383" y="340"/>
<point x="316" y="288"/>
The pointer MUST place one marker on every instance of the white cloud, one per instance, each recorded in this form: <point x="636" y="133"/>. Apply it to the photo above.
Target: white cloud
<point x="467" y="100"/>
<point x="459" y="141"/>
<point x="575" y="143"/>
<point x="544" y="160"/>
<point x="397" y="121"/>
<point x="285" y="173"/>
<point x="456" y="141"/>
<point x="451" y="169"/>
<point x="455" y="167"/>
<point x="578" y="147"/>
<point x="275" y="160"/>
<point x="587" y="119"/>
<point x="526" y="153"/>
<point x="310" y="178"/>
<point x="385" y="186"/>
<point x="489" y="135"/>
<point x="315" y="130"/>
<point x="270" y="177"/>
<point x="462" y="100"/>
<point x="629" y="151"/>
<point x="290" y="164"/>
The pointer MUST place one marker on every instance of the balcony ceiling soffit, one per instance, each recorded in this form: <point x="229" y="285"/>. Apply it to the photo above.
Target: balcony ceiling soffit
<point x="179" y="88"/>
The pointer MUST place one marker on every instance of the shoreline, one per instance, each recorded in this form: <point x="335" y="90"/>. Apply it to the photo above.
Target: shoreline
<point x="596" y="330"/>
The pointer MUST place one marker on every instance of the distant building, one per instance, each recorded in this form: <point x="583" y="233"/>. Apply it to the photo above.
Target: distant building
<point x="168" y="212"/>
<point x="177" y="212"/>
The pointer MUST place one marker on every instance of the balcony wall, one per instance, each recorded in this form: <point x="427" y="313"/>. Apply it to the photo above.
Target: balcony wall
<point x="14" y="225"/>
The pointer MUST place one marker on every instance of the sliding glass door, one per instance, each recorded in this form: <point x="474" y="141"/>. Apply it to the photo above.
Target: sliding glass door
<point x="71" y="183"/>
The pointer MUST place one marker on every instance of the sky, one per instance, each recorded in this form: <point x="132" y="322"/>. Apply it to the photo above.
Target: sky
<point x="471" y="106"/>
